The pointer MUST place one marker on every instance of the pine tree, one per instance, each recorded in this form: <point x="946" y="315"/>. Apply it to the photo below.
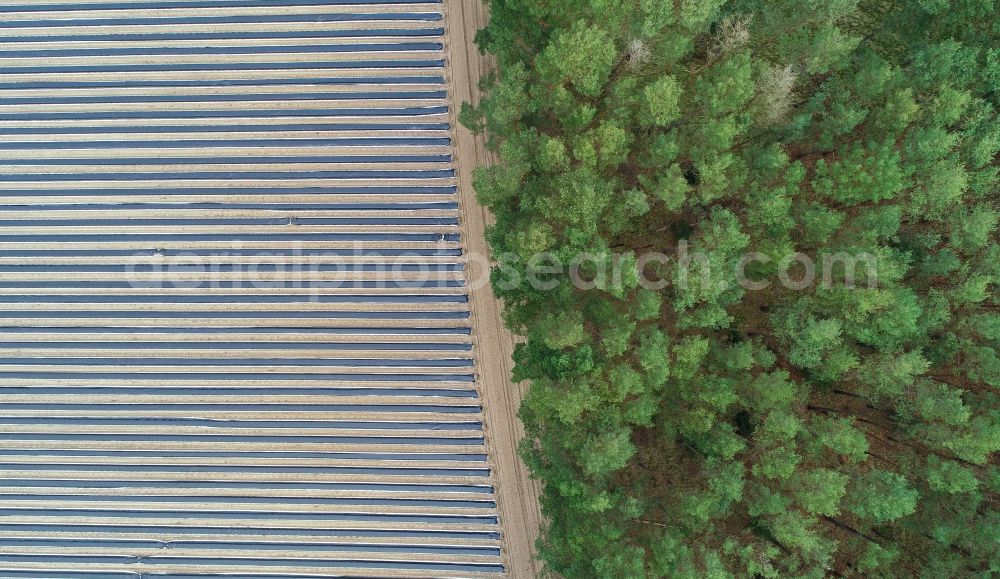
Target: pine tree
<point x="848" y="425"/>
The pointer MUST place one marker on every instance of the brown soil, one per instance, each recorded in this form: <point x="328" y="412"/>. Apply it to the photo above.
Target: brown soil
<point x="517" y="493"/>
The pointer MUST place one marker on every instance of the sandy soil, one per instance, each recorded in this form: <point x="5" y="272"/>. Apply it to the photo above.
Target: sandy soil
<point x="517" y="494"/>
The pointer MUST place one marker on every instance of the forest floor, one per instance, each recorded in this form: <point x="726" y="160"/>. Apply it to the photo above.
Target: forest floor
<point x="517" y="493"/>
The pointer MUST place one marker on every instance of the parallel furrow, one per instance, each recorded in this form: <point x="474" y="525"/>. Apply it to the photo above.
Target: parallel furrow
<point x="234" y="329"/>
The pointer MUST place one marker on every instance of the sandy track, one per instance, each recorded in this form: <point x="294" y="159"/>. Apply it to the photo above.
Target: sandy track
<point x="517" y="493"/>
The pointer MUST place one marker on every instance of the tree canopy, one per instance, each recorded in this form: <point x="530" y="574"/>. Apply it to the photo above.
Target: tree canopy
<point x="706" y="429"/>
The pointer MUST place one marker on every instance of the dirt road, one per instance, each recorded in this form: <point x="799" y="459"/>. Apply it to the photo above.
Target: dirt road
<point x="517" y="494"/>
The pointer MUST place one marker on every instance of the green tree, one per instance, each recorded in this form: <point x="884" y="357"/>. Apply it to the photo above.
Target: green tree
<point x="849" y="426"/>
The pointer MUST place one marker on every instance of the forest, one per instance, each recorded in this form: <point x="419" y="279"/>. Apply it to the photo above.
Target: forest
<point x="705" y="427"/>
